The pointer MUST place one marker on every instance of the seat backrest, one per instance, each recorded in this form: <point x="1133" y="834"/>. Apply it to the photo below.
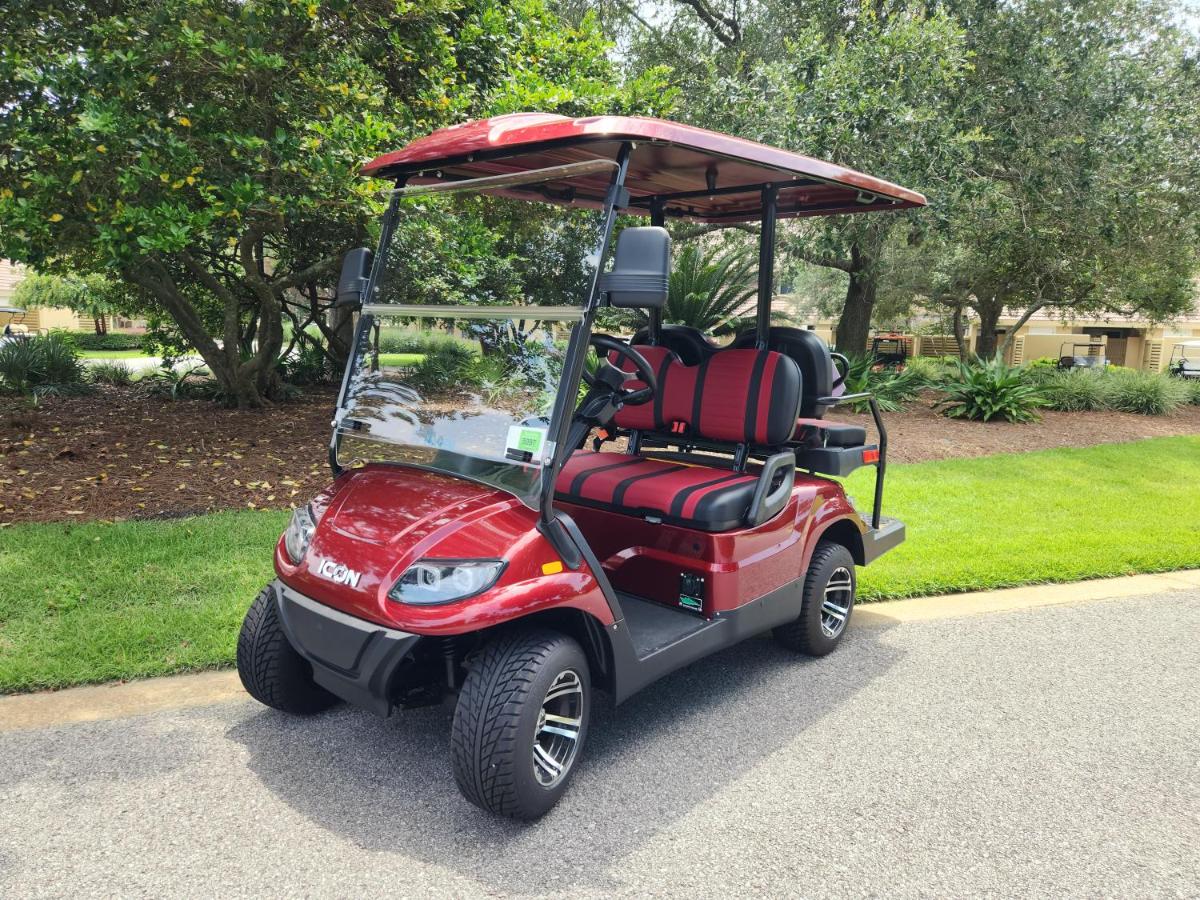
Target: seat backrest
<point x="810" y="353"/>
<point x="689" y="344"/>
<point x="734" y="396"/>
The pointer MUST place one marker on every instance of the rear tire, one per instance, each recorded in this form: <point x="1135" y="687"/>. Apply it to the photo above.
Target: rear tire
<point x="829" y="591"/>
<point x="272" y="672"/>
<point x="508" y="757"/>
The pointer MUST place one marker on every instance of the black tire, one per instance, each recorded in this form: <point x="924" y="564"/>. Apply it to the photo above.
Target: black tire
<point x="498" y="716"/>
<point x="272" y="672"/>
<point x="806" y="633"/>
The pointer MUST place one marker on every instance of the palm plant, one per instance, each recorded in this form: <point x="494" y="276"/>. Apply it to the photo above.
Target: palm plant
<point x="711" y="290"/>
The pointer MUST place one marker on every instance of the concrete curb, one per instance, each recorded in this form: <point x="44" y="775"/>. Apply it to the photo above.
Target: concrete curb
<point x="25" y="712"/>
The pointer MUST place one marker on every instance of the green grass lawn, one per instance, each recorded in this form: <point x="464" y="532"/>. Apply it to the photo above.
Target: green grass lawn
<point x="401" y="359"/>
<point x="113" y="354"/>
<point x="95" y="602"/>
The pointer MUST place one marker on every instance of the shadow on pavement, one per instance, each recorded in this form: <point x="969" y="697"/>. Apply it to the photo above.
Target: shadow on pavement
<point x="386" y="784"/>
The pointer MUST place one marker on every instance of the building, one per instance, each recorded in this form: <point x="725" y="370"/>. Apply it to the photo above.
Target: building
<point x="41" y="320"/>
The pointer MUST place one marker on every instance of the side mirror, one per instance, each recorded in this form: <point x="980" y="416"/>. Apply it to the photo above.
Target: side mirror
<point x="356" y="271"/>
<point x="641" y="269"/>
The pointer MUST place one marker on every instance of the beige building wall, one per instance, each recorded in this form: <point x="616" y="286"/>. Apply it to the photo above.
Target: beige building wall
<point x="10" y="274"/>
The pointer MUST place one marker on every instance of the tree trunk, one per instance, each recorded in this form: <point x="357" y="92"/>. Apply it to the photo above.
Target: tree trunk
<point x="341" y="326"/>
<point x="989" y="316"/>
<point x="854" y="327"/>
<point x="960" y="333"/>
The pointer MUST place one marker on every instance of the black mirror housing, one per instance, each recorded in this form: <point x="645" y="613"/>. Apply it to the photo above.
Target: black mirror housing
<point x="356" y="271"/>
<point x="641" y="269"/>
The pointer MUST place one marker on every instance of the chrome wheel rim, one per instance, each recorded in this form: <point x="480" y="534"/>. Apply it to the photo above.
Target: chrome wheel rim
<point x="835" y="605"/>
<point x="556" y="737"/>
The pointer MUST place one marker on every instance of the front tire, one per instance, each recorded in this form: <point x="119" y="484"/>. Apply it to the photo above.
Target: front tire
<point x="272" y="672"/>
<point x="521" y="722"/>
<point x="829" y="591"/>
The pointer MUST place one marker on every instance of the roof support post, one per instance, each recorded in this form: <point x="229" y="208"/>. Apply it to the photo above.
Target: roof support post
<point x="766" y="263"/>
<point x="658" y="216"/>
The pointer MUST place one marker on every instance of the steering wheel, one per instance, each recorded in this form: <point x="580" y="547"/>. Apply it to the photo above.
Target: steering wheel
<point x="612" y="377"/>
<point x="842" y="370"/>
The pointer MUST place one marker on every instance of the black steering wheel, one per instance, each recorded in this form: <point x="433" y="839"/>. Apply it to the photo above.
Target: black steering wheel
<point x="842" y="370"/>
<point x="612" y="377"/>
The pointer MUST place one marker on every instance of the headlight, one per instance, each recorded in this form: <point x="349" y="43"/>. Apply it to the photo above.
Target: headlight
<point x="299" y="534"/>
<point x="431" y="581"/>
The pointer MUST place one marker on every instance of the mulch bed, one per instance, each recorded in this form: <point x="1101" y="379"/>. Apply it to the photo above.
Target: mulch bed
<point x="118" y="454"/>
<point x="921" y="433"/>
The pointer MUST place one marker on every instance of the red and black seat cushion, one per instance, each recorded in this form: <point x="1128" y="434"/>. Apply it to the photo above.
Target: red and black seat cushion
<point x="734" y="396"/>
<point x="702" y="497"/>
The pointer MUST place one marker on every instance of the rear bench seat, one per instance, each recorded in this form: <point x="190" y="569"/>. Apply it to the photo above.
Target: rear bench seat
<point x="733" y="397"/>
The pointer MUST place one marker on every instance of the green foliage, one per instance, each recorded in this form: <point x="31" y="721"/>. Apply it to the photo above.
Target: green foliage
<point x="1074" y="390"/>
<point x="1148" y="393"/>
<point x="711" y="289"/>
<point x="991" y="389"/>
<point x="445" y="368"/>
<point x="309" y="364"/>
<point x="394" y="341"/>
<point x="929" y="369"/>
<point x="113" y="340"/>
<point x="114" y="374"/>
<point x="1193" y="391"/>
<point x="183" y="383"/>
<point x="892" y="387"/>
<point x="208" y="151"/>
<point x="41" y="365"/>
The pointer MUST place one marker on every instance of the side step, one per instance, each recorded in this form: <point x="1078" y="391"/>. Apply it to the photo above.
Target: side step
<point x="653" y="626"/>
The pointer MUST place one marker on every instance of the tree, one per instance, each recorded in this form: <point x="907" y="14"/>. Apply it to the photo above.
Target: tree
<point x="869" y="85"/>
<point x="206" y="151"/>
<point x="1082" y="199"/>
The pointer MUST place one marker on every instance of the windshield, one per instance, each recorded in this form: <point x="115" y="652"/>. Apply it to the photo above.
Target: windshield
<point x="460" y="352"/>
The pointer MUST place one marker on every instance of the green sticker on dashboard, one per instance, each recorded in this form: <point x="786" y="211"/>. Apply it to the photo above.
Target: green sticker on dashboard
<point x="530" y="440"/>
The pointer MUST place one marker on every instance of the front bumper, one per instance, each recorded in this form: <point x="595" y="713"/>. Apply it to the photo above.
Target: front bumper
<point x="351" y="658"/>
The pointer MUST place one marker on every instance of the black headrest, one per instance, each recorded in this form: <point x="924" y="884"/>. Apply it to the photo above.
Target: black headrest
<point x="641" y="269"/>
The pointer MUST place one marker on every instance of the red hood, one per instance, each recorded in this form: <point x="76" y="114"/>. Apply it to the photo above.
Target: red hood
<point x="378" y="520"/>
<point x="380" y="508"/>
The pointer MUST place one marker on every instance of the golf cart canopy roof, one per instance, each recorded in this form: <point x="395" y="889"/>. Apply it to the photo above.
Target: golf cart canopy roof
<point x="10" y="310"/>
<point x="693" y="173"/>
<point x="1191" y="345"/>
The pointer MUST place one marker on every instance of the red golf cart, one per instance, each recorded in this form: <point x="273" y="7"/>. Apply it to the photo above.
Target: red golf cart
<point x="497" y="534"/>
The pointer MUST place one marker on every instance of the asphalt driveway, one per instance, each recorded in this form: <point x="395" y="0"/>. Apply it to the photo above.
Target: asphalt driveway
<point x="1050" y="751"/>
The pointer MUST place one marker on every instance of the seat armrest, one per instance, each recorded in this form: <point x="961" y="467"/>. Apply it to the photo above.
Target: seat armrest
<point x="767" y="502"/>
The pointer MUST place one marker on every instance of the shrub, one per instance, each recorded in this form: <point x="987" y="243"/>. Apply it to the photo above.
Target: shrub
<point x="929" y="369"/>
<point x="1076" y="390"/>
<point x="1193" y="390"/>
<point x="41" y="365"/>
<point x="1147" y="393"/>
<point x="991" y="390"/>
<point x="892" y="388"/>
<point x="445" y="368"/>
<point x="87" y="340"/>
<point x="111" y="373"/>
<point x="418" y="341"/>
<point x="1042" y="365"/>
<point x="308" y="364"/>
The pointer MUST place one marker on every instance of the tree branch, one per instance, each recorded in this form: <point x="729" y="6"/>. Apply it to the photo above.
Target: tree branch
<point x="724" y="28"/>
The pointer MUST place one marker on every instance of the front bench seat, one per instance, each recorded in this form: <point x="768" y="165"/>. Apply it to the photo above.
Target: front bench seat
<point x="731" y="398"/>
<point x="706" y="498"/>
